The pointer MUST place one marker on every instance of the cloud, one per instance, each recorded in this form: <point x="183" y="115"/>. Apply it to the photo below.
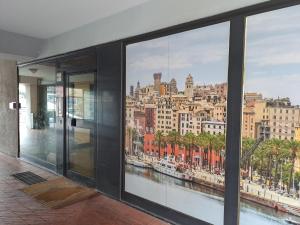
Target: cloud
<point x="273" y="38"/>
<point x="286" y="19"/>
<point x="277" y="49"/>
<point x="177" y="58"/>
<point x="284" y="85"/>
<point x="151" y="44"/>
<point x="157" y="63"/>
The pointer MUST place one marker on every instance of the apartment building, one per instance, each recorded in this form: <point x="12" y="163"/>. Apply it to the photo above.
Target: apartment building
<point x="213" y="127"/>
<point x="164" y="115"/>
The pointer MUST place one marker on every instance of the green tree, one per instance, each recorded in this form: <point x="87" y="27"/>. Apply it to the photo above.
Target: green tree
<point x="173" y="139"/>
<point x="159" y="138"/>
<point x="131" y="133"/>
<point x="202" y="142"/>
<point x="189" y="140"/>
<point x="219" y="146"/>
<point x="294" y="147"/>
<point x="211" y="143"/>
<point x="134" y="134"/>
<point x="247" y="144"/>
<point x="273" y="156"/>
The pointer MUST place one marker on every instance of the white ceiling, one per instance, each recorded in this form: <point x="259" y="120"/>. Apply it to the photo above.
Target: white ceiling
<point x="48" y="18"/>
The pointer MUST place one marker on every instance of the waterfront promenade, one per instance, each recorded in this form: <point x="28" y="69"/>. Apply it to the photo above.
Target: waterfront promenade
<point x="249" y="190"/>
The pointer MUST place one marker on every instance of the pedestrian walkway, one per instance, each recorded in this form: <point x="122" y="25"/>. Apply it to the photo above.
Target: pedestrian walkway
<point x="16" y="208"/>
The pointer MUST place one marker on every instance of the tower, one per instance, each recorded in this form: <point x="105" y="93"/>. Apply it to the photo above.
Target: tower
<point x="137" y="91"/>
<point x="173" y="86"/>
<point x="131" y="93"/>
<point x="157" y="81"/>
<point x="189" y="86"/>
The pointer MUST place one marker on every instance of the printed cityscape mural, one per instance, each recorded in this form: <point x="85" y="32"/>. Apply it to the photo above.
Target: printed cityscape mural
<point x="176" y="99"/>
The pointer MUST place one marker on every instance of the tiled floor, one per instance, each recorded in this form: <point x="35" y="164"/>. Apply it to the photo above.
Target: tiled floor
<point x="16" y="208"/>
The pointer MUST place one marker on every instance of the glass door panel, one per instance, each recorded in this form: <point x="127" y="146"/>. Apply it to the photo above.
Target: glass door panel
<point x="81" y="124"/>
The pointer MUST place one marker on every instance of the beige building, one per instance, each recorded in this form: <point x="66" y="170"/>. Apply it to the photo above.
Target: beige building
<point x="190" y="122"/>
<point x="297" y="133"/>
<point x="219" y="112"/>
<point x="213" y="127"/>
<point x="221" y="89"/>
<point x="277" y="117"/>
<point x="283" y="121"/>
<point x="164" y="115"/>
<point x="129" y="114"/>
<point x="248" y="127"/>
<point x="297" y="138"/>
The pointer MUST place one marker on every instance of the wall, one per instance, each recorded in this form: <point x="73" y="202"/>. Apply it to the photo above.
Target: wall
<point x="8" y="118"/>
<point x="150" y="16"/>
<point x="19" y="46"/>
<point x="109" y="119"/>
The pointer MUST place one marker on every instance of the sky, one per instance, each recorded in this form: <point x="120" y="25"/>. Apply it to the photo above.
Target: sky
<point x="272" y="60"/>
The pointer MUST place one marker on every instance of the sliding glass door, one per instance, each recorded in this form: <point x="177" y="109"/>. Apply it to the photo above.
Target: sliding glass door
<point x="80" y="125"/>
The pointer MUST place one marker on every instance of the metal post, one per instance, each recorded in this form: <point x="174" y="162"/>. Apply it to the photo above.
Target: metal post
<point x="234" y="120"/>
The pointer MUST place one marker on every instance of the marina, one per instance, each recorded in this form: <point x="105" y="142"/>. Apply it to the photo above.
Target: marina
<point x="179" y="195"/>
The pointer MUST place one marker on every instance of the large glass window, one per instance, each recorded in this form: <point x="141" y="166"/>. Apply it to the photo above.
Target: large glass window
<point x="40" y="106"/>
<point x="270" y="172"/>
<point x="176" y="98"/>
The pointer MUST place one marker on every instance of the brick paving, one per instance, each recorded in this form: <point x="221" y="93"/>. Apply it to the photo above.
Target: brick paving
<point x="16" y="208"/>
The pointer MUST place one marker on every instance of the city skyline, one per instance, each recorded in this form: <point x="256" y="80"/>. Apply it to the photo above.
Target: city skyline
<point x="272" y="56"/>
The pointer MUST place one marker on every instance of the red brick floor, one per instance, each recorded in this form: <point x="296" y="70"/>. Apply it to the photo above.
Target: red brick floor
<point x="16" y="208"/>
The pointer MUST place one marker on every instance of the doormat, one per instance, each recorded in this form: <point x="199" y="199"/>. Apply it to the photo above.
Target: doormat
<point x="29" y="178"/>
<point x="59" y="192"/>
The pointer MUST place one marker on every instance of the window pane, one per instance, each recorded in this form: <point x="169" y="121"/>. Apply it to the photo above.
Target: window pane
<point x="270" y="172"/>
<point x="176" y="98"/>
<point x="40" y="103"/>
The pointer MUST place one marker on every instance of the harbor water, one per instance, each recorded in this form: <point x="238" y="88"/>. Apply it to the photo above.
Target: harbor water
<point x="194" y="199"/>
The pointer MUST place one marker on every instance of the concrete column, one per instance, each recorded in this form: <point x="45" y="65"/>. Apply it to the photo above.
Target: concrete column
<point x="8" y="118"/>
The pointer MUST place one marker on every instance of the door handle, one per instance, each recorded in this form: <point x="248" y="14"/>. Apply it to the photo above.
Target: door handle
<point x="73" y="122"/>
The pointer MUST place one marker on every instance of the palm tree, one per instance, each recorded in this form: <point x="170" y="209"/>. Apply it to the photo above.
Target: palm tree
<point x="219" y="146"/>
<point x="201" y="141"/>
<point x="272" y="153"/>
<point x="189" y="142"/>
<point x="247" y="144"/>
<point x="158" y="138"/>
<point x="259" y="160"/>
<point x="131" y="132"/>
<point x="134" y="134"/>
<point x="212" y="144"/>
<point x="294" y="147"/>
<point x="173" y="138"/>
<point x="129" y="135"/>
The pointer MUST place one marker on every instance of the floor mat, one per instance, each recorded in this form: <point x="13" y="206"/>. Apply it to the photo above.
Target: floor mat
<point x="59" y="192"/>
<point x="29" y="177"/>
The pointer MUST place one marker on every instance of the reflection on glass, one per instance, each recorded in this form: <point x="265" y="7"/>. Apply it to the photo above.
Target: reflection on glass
<point x="38" y="98"/>
<point x="270" y="163"/>
<point x="176" y="97"/>
<point x="80" y="108"/>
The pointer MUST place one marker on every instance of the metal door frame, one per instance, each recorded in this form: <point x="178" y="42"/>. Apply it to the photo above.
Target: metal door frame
<point x="73" y="175"/>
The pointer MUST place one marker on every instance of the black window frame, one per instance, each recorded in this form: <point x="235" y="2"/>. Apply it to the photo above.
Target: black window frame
<point x="237" y="42"/>
<point x="237" y="19"/>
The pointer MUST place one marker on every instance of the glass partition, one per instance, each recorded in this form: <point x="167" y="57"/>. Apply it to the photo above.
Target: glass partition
<point x="176" y="99"/>
<point x="80" y="110"/>
<point x="270" y="163"/>
<point x="40" y="106"/>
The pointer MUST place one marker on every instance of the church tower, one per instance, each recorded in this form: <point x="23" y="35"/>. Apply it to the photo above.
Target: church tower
<point x="189" y="87"/>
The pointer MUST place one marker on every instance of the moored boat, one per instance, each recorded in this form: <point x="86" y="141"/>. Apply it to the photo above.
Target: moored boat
<point x="135" y="161"/>
<point x="172" y="169"/>
<point x="290" y="221"/>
